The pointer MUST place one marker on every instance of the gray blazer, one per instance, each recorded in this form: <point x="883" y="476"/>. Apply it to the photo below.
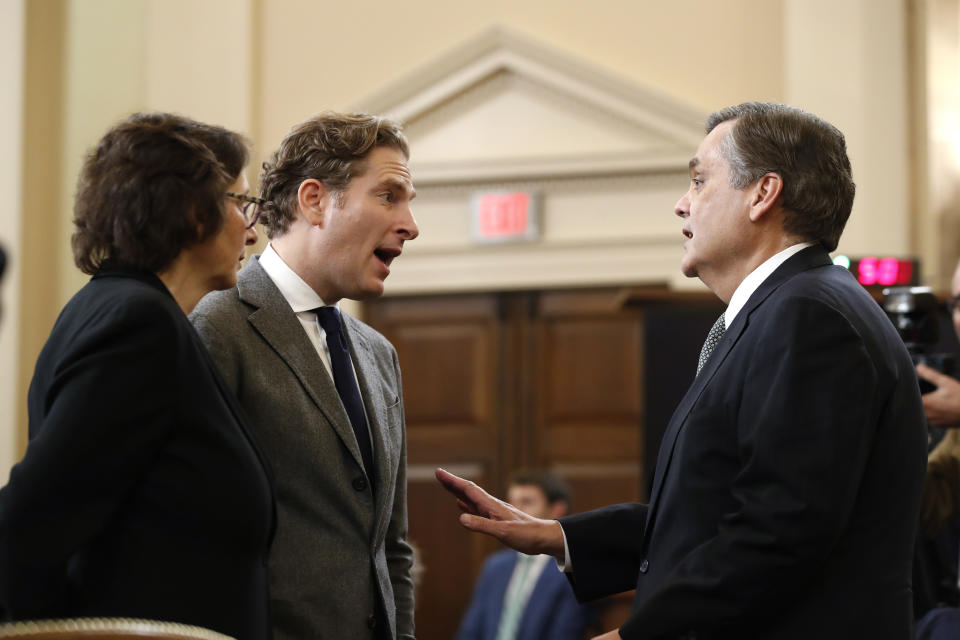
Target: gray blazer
<point x="339" y="550"/>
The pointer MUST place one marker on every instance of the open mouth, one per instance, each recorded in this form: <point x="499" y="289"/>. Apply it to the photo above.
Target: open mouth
<point x="687" y="233"/>
<point x="386" y="255"/>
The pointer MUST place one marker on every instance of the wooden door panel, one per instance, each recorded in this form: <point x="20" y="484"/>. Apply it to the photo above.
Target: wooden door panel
<point x="451" y="364"/>
<point x="446" y="553"/>
<point x="495" y="382"/>
<point x="591" y="369"/>
<point x="589" y="354"/>
<point x="450" y="355"/>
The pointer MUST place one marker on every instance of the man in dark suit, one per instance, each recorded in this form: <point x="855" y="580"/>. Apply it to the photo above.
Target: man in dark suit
<point x="786" y="493"/>
<point x="321" y="388"/>
<point x="519" y="596"/>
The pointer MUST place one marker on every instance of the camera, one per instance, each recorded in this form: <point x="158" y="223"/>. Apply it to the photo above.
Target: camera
<point x="914" y="312"/>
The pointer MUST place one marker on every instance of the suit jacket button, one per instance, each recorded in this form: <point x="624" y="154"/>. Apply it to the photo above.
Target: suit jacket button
<point x="372" y="621"/>
<point x="360" y="483"/>
<point x="644" y="566"/>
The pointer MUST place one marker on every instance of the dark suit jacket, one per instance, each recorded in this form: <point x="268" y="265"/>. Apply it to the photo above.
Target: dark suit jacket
<point x="340" y="555"/>
<point x="552" y="612"/>
<point x="140" y="494"/>
<point x="787" y="488"/>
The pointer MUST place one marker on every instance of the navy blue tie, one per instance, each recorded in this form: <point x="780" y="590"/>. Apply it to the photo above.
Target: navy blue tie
<point x="346" y="382"/>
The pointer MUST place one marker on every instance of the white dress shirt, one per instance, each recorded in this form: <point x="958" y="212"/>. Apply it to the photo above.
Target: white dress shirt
<point x="756" y="277"/>
<point x="302" y="299"/>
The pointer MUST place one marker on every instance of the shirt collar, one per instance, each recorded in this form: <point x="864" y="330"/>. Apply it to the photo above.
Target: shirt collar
<point x="298" y="294"/>
<point x="756" y="277"/>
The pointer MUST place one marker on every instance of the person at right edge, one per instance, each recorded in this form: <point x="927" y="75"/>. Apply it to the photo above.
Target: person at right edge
<point x="787" y="488"/>
<point x="935" y="567"/>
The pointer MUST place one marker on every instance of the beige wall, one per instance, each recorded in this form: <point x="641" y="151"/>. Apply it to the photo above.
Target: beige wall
<point x="699" y="51"/>
<point x="938" y="150"/>
<point x="851" y="70"/>
<point x="12" y="30"/>
<point x="260" y="66"/>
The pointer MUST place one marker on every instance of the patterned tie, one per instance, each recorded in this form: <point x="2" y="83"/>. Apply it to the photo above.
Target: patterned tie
<point x="713" y="338"/>
<point x="346" y="382"/>
<point x="514" y="601"/>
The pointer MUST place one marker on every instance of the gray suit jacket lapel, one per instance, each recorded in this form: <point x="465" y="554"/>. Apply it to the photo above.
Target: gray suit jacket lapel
<point x="375" y="403"/>
<point x="275" y="321"/>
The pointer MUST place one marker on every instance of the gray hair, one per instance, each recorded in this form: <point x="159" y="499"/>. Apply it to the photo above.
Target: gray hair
<point x="808" y="153"/>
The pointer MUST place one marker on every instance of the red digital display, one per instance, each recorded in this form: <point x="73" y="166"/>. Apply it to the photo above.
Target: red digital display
<point x="883" y="271"/>
<point x="503" y="215"/>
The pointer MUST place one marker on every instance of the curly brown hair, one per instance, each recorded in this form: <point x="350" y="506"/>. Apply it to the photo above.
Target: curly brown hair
<point x="330" y="147"/>
<point x="147" y="187"/>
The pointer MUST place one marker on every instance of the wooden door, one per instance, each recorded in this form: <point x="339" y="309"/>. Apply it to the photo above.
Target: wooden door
<point x="452" y="356"/>
<point x="498" y="381"/>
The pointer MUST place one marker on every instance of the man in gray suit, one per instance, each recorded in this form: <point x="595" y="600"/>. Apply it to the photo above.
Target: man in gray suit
<point x="336" y="207"/>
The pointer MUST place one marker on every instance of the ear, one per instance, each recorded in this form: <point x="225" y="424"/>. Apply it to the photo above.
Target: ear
<point x="198" y="228"/>
<point x="765" y="194"/>
<point x="312" y="199"/>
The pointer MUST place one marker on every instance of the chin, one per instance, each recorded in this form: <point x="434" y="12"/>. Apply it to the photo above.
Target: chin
<point x="373" y="288"/>
<point x="688" y="269"/>
<point x="226" y="281"/>
<point x="368" y="294"/>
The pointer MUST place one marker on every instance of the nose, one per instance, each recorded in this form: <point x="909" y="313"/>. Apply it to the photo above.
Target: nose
<point x="407" y="226"/>
<point x="682" y="208"/>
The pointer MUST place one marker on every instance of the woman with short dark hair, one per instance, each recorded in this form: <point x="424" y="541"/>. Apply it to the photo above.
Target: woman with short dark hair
<point x="141" y="493"/>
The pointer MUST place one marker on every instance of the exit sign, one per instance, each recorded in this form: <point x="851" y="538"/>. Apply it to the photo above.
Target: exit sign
<point x="505" y="216"/>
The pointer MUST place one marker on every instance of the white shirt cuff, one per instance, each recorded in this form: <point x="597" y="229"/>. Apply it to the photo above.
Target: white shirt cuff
<point x="567" y="565"/>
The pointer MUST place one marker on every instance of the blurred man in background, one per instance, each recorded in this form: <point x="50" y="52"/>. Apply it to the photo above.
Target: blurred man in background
<point x="525" y="597"/>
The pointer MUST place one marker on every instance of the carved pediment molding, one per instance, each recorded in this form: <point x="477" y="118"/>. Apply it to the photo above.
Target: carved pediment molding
<point x="473" y="112"/>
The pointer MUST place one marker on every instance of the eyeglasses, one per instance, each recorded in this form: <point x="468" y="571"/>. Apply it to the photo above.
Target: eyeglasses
<point x="251" y="207"/>
<point x="953" y="303"/>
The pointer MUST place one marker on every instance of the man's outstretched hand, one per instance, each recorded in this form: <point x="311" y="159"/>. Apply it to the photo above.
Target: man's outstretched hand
<point x="486" y="514"/>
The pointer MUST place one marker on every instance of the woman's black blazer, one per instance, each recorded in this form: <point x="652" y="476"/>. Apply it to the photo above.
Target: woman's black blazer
<point x="141" y="493"/>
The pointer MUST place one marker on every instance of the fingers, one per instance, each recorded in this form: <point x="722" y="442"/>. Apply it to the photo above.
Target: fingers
<point x="453" y="484"/>
<point x="930" y="374"/>
<point x="470" y="497"/>
<point x="502" y="530"/>
<point x="479" y="524"/>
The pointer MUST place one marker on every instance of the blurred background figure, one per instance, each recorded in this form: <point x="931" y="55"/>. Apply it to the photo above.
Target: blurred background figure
<point x="936" y="564"/>
<point x="3" y="266"/>
<point x="526" y="597"/>
<point x="140" y="494"/>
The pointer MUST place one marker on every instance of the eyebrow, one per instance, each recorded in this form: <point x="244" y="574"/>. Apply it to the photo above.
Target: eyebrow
<point x="693" y="163"/>
<point x="398" y="184"/>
